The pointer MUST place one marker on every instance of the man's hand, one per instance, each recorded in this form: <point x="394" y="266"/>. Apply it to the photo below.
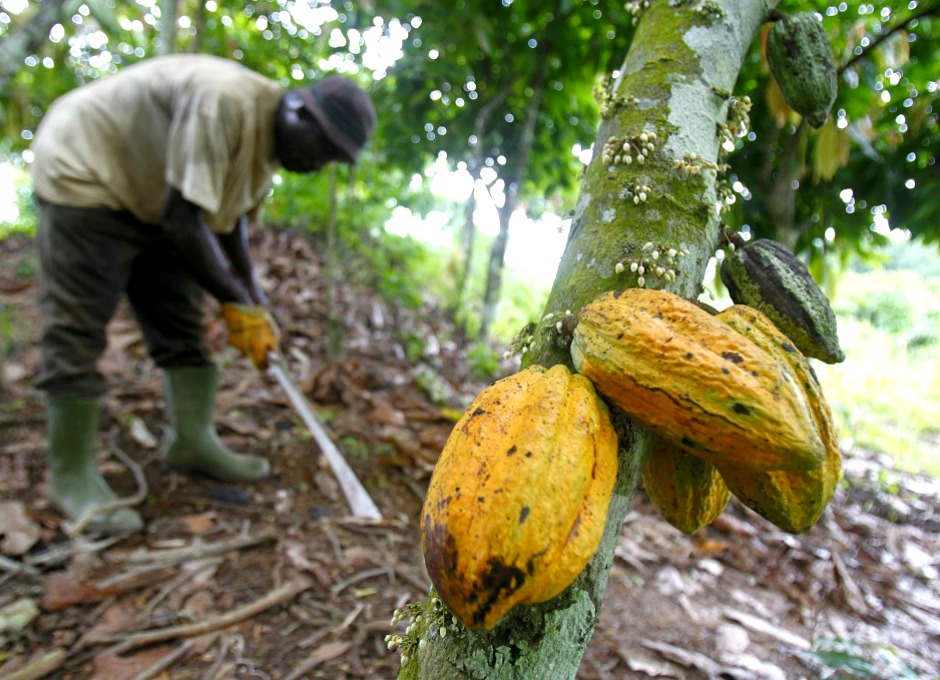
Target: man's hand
<point x="252" y="330"/>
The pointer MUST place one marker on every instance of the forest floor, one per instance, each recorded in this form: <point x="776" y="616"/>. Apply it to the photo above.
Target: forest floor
<point x="275" y="580"/>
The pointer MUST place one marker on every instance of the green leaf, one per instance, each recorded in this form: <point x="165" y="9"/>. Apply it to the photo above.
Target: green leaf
<point x="858" y="666"/>
<point x="105" y="15"/>
<point x="831" y="151"/>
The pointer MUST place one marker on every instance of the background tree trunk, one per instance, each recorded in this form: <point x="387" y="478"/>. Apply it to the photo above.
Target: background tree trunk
<point x="468" y="235"/>
<point x="335" y="336"/>
<point x="780" y="189"/>
<point x="465" y="261"/>
<point x="680" y="69"/>
<point x="26" y="38"/>
<point x="494" y="272"/>
<point x="199" y="23"/>
<point x="166" y="30"/>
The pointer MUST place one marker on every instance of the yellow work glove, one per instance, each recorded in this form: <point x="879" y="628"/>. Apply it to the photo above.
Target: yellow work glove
<point x="252" y="331"/>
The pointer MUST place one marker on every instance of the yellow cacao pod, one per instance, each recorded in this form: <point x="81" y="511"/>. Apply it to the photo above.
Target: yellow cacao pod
<point x="793" y="500"/>
<point x="693" y="380"/>
<point x="517" y="502"/>
<point x="687" y="490"/>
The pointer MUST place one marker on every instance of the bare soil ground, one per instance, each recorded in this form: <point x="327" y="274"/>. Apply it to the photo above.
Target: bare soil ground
<point x="276" y="581"/>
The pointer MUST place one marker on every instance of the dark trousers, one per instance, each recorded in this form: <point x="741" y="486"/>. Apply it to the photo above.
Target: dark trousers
<point x="88" y="259"/>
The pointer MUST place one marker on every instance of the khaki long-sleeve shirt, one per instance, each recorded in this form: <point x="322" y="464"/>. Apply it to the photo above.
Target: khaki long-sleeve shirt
<point x="201" y="124"/>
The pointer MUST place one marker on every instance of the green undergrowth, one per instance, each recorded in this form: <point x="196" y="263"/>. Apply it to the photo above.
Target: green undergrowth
<point x="885" y="397"/>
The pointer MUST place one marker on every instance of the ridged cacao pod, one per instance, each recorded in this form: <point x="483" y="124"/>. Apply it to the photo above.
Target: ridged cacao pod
<point x="518" y="500"/>
<point x="792" y="500"/>
<point x="765" y="275"/>
<point x="687" y="490"/>
<point x="800" y="58"/>
<point x="691" y="379"/>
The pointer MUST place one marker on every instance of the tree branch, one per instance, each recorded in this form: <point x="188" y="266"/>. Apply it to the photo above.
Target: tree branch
<point x="894" y="29"/>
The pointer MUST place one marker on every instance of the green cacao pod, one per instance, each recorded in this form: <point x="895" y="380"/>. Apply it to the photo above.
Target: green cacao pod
<point x="793" y="500"/>
<point x="801" y="61"/>
<point x="766" y="276"/>
<point x="688" y="491"/>
<point x="518" y="501"/>
<point x="687" y="376"/>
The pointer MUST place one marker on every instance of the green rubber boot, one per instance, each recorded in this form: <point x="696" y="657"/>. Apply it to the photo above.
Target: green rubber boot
<point x="75" y="485"/>
<point x="194" y="444"/>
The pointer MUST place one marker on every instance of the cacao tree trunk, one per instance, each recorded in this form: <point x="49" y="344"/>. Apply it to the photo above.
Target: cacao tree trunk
<point x="675" y="82"/>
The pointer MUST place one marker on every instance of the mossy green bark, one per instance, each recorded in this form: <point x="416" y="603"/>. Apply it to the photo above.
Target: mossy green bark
<point x="675" y="82"/>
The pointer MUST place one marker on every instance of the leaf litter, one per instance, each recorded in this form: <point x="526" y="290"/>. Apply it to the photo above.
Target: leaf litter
<point x="276" y="580"/>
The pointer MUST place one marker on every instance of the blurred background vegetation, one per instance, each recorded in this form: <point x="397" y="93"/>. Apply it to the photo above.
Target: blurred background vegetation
<point x="487" y="113"/>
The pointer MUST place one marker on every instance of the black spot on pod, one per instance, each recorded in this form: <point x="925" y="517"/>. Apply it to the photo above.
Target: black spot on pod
<point x="497" y="582"/>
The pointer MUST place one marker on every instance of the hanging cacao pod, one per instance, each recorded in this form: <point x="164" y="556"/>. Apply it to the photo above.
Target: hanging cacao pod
<point x="687" y="490"/>
<point x="693" y="380"/>
<point x="518" y="500"/>
<point x="793" y="500"/>
<point x="800" y="58"/>
<point x="765" y="275"/>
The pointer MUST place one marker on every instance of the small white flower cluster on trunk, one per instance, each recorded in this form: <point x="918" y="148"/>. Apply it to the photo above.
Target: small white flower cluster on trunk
<point x="624" y="151"/>
<point x="655" y="262"/>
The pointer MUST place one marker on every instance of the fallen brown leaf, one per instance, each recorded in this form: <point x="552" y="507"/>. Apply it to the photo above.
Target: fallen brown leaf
<point x="61" y="591"/>
<point x="114" y="667"/>
<point x="197" y="524"/>
<point x="118" y="618"/>
<point x="384" y="412"/>
<point x="17" y="531"/>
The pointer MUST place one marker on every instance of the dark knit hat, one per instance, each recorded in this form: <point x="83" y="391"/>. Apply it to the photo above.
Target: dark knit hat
<point x="344" y="110"/>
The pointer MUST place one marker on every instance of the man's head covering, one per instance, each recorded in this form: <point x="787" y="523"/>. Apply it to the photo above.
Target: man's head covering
<point x="343" y="110"/>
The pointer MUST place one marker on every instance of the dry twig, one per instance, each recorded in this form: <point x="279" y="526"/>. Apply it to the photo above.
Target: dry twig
<point x="197" y="550"/>
<point x="364" y="525"/>
<point x="190" y="573"/>
<point x="330" y="650"/>
<point x="285" y="593"/>
<point x="164" y="663"/>
<point x="40" y="668"/>
<point x="362" y="576"/>
<point x="314" y="638"/>
<point x="233" y="645"/>
<point x="224" y="645"/>
<point x="334" y="541"/>
<point x="61" y="553"/>
<point x="17" y="567"/>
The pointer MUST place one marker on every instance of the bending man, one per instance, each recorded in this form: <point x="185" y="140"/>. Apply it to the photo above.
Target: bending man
<point x="146" y="182"/>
